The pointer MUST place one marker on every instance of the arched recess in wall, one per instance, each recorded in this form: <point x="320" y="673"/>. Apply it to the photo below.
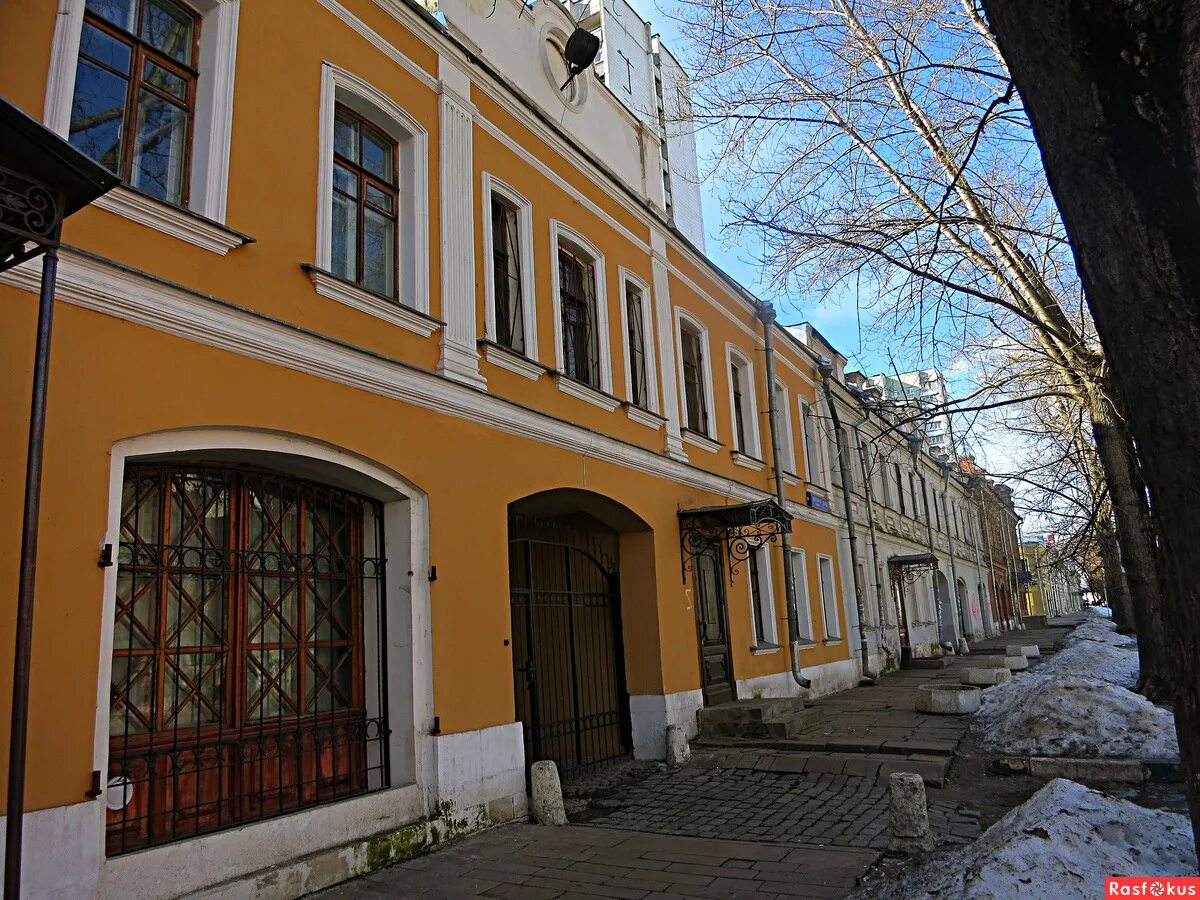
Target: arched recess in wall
<point x="262" y="617"/>
<point x="583" y="600"/>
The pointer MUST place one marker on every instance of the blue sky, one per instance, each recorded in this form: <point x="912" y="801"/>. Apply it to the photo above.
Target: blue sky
<point x="838" y="322"/>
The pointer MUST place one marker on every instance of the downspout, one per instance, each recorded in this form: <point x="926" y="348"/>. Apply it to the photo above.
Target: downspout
<point x="871" y="527"/>
<point x="766" y="315"/>
<point x="825" y="367"/>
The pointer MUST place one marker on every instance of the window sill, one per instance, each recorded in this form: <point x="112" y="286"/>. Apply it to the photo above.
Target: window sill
<point x="791" y="479"/>
<point x="377" y="305"/>
<point x="506" y="358"/>
<point x="832" y="642"/>
<point x="702" y="441"/>
<point x="746" y="461"/>
<point x="173" y="221"/>
<point x="644" y="416"/>
<point x="586" y="392"/>
<point x="765" y="649"/>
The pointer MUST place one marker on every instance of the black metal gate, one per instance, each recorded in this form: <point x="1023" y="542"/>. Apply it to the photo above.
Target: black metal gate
<point x="568" y="660"/>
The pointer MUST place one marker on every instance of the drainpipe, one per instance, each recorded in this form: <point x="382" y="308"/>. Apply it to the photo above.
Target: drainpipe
<point x="825" y="367"/>
<point x="766" y="315"/>
<point x="871" y="529"/>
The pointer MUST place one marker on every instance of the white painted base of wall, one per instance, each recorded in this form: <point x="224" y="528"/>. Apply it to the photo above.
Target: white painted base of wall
<point x="480" y="774"/>
<point x="826" y="679"/>
<point x="650" y="714"/>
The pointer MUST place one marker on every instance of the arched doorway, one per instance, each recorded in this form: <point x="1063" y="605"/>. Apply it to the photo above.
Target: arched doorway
<point x="945" y="608"/>
<point x="568" y="648"/>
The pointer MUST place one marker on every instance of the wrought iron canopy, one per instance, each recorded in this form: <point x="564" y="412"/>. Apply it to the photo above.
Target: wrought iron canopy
<point x="741" y="527"/>
<point x="912" y="566"/>
<point x="43" y="179"/>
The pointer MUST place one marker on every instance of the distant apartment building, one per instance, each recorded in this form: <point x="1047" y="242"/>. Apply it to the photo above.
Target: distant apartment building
<point x="919" y="391"/>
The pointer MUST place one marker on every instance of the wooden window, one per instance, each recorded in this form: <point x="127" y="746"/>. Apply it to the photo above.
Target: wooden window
<point x="507" y="275"/>
<point x="694" y="393"/>
<point x="736" y="377"/>
<point x="803" y="609"/>
<point x="828" y="598"/>
<point x="238" y="689"/>
<point x="635" y="323"/>
<point x="580" y="331"/>
<point x="812" y="446"/>
<point x="900" y="489"/>
<point x="135" y="92"/>
<point x="784" y="422"/>
<point x="365" y="203"/>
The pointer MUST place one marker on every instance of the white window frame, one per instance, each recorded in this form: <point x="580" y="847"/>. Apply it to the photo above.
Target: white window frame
<point x="803" y="598"/>
<point x="412" y="225"/>
<point x="624" y="277"/>
<point x="208" y="189"/>
<point x="737" y="361"/>
<point x="770" y="635"/>
<point x="684" y="318"/>
<point x="814" y="472"/>
<point x="559" y="234"/>
<point x="829" y="604"/>
<point x="493" y="185"/>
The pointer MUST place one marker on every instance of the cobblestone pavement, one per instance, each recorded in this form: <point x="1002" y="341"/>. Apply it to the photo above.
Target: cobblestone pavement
<point x="806" y="817"/>
<point x="532" y="863"/>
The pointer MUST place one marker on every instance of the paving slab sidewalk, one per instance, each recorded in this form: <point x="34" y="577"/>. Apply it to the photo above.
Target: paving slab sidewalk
<point x="805" y="818"/>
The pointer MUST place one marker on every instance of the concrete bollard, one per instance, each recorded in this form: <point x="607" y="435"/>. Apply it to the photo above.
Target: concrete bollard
<point x="908" y="814"/>
<point x="1031" y="651"/>
<point x="985" y="676"/>
<point x="548" y="806"/>
<point x="678" y="751"/>
<point x="963" y="647"/>
<point x="1017" y="663"/>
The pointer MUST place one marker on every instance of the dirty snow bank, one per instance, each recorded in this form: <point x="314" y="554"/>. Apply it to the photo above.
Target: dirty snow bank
<point x="1051" y="715"/>
<point x="1101" y="632"/>
<point x="1061" y="843"/>
<point x="1100" y="612"/>
<point x="1091" y="659"/>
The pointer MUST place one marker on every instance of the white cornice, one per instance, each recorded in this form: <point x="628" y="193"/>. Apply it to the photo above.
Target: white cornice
<point x="704" y="443"/>
<point x="511" y="360"/>
<point x="171" y="220"/>
<point x="109" y="289"/>
<point x="390" y="311"/>
<point x="747" y="462"/>
<point x="643" y="417"/>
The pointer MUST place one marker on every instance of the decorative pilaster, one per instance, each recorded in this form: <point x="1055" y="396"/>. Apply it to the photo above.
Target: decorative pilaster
<point x="460" y="354"/>
<point x="666" y="345"/>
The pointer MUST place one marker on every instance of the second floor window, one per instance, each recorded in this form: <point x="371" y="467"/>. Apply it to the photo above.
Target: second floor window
<point x="506" y="275"/>
<point x="739" y="408"/>
<point x="135" y="92"/>
<point x="639" y="389"/>
<point x="577" y="292"/>
<point x="694" y="396"/>
<point x="899" y="488"/>
<point x="365" y="202"/>
<point x="812" y="446"/>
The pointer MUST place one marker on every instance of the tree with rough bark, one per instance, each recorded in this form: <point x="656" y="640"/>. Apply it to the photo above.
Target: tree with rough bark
<point x="1113" y="92"/>
<point x="880" y="147"/>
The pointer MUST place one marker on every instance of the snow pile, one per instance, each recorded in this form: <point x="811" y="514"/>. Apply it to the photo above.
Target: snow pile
<point x="1090" y="659"/>
<point x="1102" y="633"/>
<point x="1052" y="715"/>
<point x="1100" y="612"/>
<point x="1061" y="843"/>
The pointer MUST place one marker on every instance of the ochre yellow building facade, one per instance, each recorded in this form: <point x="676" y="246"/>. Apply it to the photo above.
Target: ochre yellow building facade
<point x="197" y="339"/>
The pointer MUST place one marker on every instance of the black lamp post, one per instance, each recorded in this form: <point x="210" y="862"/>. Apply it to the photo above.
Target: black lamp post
<point x="43" y="179"/>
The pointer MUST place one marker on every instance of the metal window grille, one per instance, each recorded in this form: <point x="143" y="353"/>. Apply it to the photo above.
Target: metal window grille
<point x="248" y="669"/>
<point x="577" y="288"/>
<point x="506" y="276"/>
<point x="693" y="381"/>
<point x="635" y="323"/>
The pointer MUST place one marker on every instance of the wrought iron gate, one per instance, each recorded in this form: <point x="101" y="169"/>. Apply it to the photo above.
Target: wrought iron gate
<point x="568" y="661"/>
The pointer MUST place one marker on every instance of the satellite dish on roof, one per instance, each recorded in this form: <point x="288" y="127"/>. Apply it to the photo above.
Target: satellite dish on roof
<point x="580" y="52"/>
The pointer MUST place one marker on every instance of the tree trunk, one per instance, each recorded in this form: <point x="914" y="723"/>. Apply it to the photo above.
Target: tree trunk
<point x="1135" y="538"/>
<point x="1116" y="587"/>
<point x="1113" y="90"/>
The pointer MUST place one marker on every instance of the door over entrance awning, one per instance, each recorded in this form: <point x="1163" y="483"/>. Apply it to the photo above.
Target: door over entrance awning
<point x="741" y="527"/>
<point x="908" y="568"/>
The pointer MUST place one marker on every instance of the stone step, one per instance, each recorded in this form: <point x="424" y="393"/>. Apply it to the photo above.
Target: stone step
<point x="933" y="769"/>
<point x="932" y="662"/>
<point x="834" y="743"/>
<point x="755" y="718"/>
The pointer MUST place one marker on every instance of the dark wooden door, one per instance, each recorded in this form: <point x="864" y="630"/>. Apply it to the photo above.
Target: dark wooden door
<point x="712" y="625"/>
